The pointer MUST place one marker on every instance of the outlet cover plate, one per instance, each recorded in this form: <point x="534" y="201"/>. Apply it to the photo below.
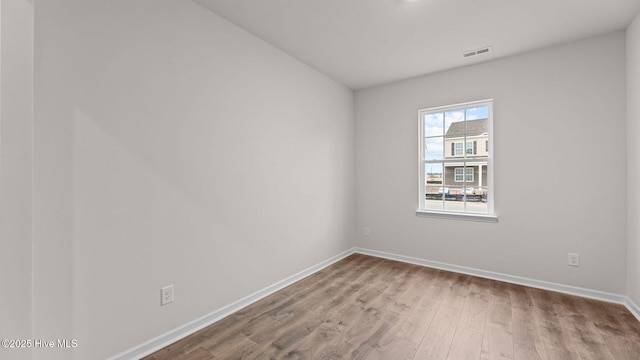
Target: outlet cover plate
<point x="166" y="295"/>
<point x="574" y="259"/>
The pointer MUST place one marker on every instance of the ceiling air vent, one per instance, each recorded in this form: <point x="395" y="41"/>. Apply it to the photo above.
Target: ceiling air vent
<point x="475" y="52"/>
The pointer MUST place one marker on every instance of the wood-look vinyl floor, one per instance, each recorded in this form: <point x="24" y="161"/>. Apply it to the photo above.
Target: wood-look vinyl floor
<point x="370" y="308"/>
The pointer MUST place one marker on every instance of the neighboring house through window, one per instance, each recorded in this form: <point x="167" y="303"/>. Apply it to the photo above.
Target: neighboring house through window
<point x="455" y="169"/>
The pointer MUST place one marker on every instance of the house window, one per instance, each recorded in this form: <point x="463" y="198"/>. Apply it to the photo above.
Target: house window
<point x="458" y="149"/>
<point x="471" y="147"/>
<point x="460" y="175"/>
<point x="456" y="173"/>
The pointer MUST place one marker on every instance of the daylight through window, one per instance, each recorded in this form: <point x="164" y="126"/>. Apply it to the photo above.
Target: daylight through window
<point x="455" y="159"/>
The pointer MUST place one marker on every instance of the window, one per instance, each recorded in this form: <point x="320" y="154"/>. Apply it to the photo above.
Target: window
<point x="455" y="173"/>
<point x="471" y="147"/>
<point x="459" y="148"/>
<point x="460" y="174"/>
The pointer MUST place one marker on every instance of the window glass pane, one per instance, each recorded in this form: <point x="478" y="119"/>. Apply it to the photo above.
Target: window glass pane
<point x="454" y="200"/>
<point x="481" y="112"/>
<point x="477" y="200"/>
<point x="476" y="204"/>
<point x="448" y="120"/>
<point x="449" y="174"/>
<point x="455" y="135"/>
<point x="456" y="130"/>
<point x="434" y="148"/>
<point x="452" y="189"/>
<point x="433" y="187"/>
<point x="433" y="125"/>
<point x="453" y="116"/>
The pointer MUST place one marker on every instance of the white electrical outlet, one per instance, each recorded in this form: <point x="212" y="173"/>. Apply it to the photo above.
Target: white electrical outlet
<point x="574" y="259"/>
<point x="365" y="232"/>
<point x="166" y="295"/>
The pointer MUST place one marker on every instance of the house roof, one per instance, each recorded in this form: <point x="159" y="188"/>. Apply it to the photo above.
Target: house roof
<point x="474" y="128"/>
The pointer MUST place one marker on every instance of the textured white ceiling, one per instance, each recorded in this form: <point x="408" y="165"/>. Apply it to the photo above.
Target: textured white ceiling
<point x="362" y="43"/>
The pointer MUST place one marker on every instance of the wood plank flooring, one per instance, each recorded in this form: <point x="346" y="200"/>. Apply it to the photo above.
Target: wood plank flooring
<point x="370" y="308"/>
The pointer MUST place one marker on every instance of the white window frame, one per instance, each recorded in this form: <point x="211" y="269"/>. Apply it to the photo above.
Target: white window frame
<point x="490" y="215"/>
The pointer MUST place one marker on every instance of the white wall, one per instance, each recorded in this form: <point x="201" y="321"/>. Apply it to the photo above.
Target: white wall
<point x="174" y="148"/>
<point x="560" y="166"/>
<point x="633" y="160"/>
<point x="16" y="123"/>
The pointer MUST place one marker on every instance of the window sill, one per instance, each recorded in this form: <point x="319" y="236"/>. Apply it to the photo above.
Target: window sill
<point x="458" y="216"/>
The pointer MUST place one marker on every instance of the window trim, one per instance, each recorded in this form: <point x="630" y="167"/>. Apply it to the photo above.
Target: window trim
<point x="490" y="216"/>
<point x="458" y="216"/>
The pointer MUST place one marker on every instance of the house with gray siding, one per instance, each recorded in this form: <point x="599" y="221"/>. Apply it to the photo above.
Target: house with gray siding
<point x="468" y="139"/>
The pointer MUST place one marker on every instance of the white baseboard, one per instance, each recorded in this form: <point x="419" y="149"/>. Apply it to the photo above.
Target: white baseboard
<point x="566" y="289"/>
<point x="633" y="308"/>
<point x="176" y="334"/>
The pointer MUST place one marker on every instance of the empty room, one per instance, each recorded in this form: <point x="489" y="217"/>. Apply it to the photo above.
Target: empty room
<point x="298" y="179"/>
